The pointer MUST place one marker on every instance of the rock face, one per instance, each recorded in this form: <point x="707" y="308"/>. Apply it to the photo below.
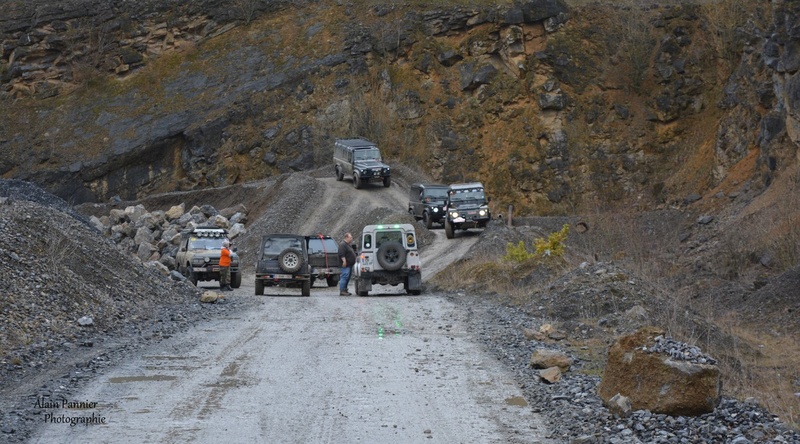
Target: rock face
<point x="658" y="381"/>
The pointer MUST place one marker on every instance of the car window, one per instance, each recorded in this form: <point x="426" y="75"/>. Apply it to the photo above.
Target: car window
<point x="277" y="244"/>
<point x="316" y="245"/>
<point x="367" y="241"/>
<point x="436" y="193"/>
<point x="384" y="237"/>
<point x="205" y="243"/>
<point x="368" y="154"/>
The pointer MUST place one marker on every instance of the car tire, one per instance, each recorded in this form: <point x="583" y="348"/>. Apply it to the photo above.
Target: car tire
<point x="332" y="280"/>
<point x="236" y="280"/>
<point x="448" y="229"/>
<point x="192" y="277"/>
<point x="259" y="288"/>
<point x="391" y="256"/>
<point x="360" y="292"/>
<point x="290" y="260"/>
<point x="427" y="220"/>
<point x="306" y="290"/>
<point x="339" y="174"/>
<point x="356" y="181"/>
<point x="387" y="181"/>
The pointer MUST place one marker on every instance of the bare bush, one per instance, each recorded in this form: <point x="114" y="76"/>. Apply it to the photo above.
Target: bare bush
<point x="722" y="19"/>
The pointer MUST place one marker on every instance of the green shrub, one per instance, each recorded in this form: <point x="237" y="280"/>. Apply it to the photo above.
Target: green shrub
<point x="517" y="253"/>
<point x="553" y="246"/>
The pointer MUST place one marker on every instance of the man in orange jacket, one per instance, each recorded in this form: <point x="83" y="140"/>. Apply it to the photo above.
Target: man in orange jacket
<point x="225" y="267"/>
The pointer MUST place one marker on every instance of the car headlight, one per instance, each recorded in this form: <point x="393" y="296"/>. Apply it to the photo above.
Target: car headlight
<point x="454" y="214"/>
<point x="435" y="210"/>
<point x="206" y="259"/>
<point x="482" y="212"/>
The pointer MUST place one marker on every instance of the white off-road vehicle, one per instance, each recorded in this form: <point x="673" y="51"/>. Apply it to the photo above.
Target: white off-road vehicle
<point x="388" y="256"/>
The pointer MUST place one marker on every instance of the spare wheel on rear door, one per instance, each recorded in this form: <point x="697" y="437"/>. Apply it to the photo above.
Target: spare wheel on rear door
<point x="290" y="260"/>
<point x="392" y="256"/>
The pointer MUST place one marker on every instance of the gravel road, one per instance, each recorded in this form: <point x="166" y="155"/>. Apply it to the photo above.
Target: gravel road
<point x="325" y="368"/>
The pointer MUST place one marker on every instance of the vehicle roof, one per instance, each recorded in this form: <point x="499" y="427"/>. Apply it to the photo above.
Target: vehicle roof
<point x="429" y="185"/>
<point x="457" y="186"/>
<point x="378" y="227"/>
<point x="297" y="236"/>
<point x="356" y="143"/>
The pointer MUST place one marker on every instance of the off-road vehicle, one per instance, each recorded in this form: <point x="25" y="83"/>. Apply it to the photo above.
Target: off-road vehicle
<point x="361" y="160"/>
<point x="388" y="256"/>
<point x="467" y="207"/>
<point x="323" y="255"/>
<point x="426" y="202"/>
<point x="198" y="255"/>
<point x="283" y="261"/>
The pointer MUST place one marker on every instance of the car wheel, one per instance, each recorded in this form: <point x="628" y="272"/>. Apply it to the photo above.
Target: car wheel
<point x="356" y="181"/>
<point x="391" y="256"/>
<point x="192" y="277"/>
<point x="339" y="174"/>
<point x="387" y="181"/>
<point x="332" y="280"/>
<point x="236" y="280"/>
<point x="427" y="220"/>
<point x="360" y="292"/>
<point x="290" y="260"/>
<point x="259" y="288"/>
<point x="306" y="290"/>
<point x="448" y="229"/>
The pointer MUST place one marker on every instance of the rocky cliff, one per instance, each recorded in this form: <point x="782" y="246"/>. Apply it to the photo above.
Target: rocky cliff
<point x="556" y="108"/>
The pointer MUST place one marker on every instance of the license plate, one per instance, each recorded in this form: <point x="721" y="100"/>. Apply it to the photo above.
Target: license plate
<point x="282" y="276"/>
<point x="214" y="268"/>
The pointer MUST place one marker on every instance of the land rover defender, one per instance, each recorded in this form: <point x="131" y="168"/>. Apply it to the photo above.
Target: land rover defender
<point x="361" y="160"/>
<point x="426" y="201"/>
<point x="388" y="256"/>
<point x="467" y="207"/>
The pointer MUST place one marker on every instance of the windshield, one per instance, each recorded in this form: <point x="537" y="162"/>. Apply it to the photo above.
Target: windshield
<point x="316" y="245"/>
<point x="367" y="154"/>
<point x="206" y="243"/>
<point x="436" y="193"/>
<point x="467" y="194"/>
<point x="277" y="244"/>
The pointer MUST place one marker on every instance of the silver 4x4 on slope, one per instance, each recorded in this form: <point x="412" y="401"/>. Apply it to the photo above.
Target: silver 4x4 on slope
<point x="198" y="255"/>
<point x="466" y="207"/>
<point x="388" y="256"/>
<point x="282" y="260"/>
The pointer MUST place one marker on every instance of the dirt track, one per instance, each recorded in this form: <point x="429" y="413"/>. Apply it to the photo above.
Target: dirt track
<point x="384" y="368"/>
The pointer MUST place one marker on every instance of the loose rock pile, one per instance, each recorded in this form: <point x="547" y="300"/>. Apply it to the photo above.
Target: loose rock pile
<point x="155" y="236"/>
<point x="680" y="351"/>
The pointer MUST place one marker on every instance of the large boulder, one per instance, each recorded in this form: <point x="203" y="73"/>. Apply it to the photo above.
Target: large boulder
<point x="660" y="375"/>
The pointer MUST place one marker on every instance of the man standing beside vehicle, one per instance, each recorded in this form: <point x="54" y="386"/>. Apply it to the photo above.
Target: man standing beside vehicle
<point x="225" y="267"/>
<point x="348" y="258"/>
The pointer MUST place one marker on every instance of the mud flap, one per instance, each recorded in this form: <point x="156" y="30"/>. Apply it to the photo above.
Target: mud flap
<point x="414" y="281"/>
